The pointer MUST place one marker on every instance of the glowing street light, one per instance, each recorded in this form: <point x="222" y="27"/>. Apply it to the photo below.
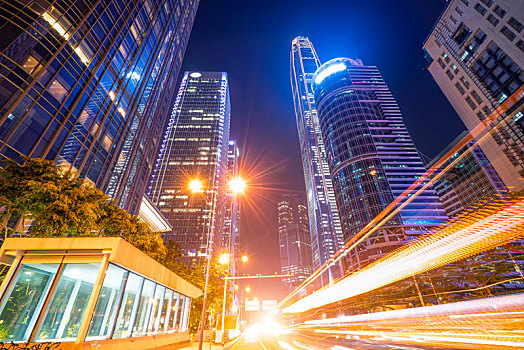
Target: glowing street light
<point x="237" y="185"/>
<point x="245" y="258"/>
<point x="196" y="186"/>
<point x="248" y="289"/>
<point x="224" y="259"/>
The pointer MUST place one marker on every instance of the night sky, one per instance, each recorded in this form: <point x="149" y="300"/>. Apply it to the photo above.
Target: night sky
<point x="250" y="40"/>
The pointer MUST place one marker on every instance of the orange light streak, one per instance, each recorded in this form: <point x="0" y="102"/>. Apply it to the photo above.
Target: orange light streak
<point x="438" y="249"/>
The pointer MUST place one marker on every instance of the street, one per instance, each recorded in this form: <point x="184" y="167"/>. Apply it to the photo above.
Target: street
<point x="290" y="340"/>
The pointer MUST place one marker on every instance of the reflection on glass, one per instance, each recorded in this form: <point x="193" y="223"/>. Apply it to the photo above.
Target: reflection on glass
<point x="166" y="311"/>
<point x="144" y="309"/>
<point x="128" y="306"/>
<point x="106" y="306"/>
<point x="24" y="300"/>
<point x="185" y="315"/>
<point x="155" y="309"/>
<point x="65" y="311"/>
<point x="179" y="312"/>
<point x="174" y="312"/>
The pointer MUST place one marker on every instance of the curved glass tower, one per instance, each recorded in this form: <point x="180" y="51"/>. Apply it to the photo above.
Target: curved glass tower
<point x="324" y="222"/>
<point x="89" y="85"/>
<point x="371" y="156"/>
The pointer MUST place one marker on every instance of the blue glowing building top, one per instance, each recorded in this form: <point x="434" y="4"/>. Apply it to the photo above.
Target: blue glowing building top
<point x="371" y="157"/>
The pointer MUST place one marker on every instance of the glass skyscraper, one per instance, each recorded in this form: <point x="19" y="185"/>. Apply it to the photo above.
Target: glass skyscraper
<point x="371" y="156"/>
<point x="89" y="84"/>
<point x="294" y="240"/>
<point x="325" y="229"/>
<point x="195" y="146"/>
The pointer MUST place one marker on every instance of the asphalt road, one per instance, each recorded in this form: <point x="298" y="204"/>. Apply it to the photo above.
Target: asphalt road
<point x="295" y="341"/>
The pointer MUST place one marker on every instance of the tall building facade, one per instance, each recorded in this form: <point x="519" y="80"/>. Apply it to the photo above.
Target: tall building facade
<point x="230" y="235"/>
<point x="476" y="56"/>
<point x="325" y="228"/>
<point x="195" y="148"/>
<point x="88" y="84"/>
<point x="371" y="156"/>
<point x="467" y="177"/>
<point x="294" y="239"/>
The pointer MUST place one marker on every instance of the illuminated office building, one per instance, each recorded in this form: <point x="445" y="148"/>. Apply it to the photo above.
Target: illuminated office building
<point x="371" y="157"/>
<point x="476" y="56"/>
<point x="89" y="85"/>
<point x="195" y="148"/>
<point x="325" y="229"/>
<point x="230" y="235"/>
<point x="294" y="240"/>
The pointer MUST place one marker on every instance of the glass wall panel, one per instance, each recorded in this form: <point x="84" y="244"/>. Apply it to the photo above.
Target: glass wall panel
<point x="174" y="312"/>
<point x="156" y="308"/>
<point x="185" y="315"/>
<point x="64" y="313"/>
<point x="106" y="306"/>
<point x="144" y="309"/>
<point x="24" y="300"/>
<point x="128" y="306"/>
<point x="166" y="311"/>
<point x="179" y="312"/>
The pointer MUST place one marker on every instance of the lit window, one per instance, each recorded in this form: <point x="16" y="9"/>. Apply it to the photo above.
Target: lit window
<point x="58" y="90"/>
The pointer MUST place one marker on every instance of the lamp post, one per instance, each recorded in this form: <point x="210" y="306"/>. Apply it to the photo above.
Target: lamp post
<point x="236" y="185"/>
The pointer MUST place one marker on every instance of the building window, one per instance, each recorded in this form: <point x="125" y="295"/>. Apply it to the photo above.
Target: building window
<point x="520" y="45"/>
<point x="449" y="74"/>
<point x="515" y="24"/>
<point x="454" y="68"/>
<point x="106" y="306"/>
<point x="459" y="11"/>
<point x="67" y="306"/>
<point x="129" y="303"/>
<point x="476" y="97"/>
<point x="462" y="34"/>
<point x="441" y="63"/>
<point x="508" y="33"/>
<point x="58" y="90"/>
<point x="465" y="82"/>
<point x="471" y="103"/>
<point x="445" y="57"/>
<point x="481" y="116"/>
<point x="488" y="3"/>
<point x="460" y="88"/>
<point x="480" y="9"/>
<point x="23" y="301"/>
<point x="465" y="2"/>
<point x="493" y="20"/>
<point x="499" y="11"/>
<point x="453" y="19"/>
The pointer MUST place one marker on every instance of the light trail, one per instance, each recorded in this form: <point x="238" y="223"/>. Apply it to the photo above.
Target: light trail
<point x="483" y="323"/>
<point x="476" y="135"/>
<point x="458" y="241"/>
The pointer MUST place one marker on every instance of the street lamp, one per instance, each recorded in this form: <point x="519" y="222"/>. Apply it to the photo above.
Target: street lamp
<point x="244" y="258"/>
<point x="196" y="186"/>
<point x="237" y="185"/>
<point x="224" y="259"/>
<point x="248" y="289"/>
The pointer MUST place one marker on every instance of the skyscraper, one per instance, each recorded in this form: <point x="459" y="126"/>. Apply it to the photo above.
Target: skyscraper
<point x="467" y="177"/>
<point x="325" y="229"/>
<point x="476" y="56"/>
<point x="195" y="148"/>
<point x="294" y="239"/>
<point x="371" y="156"/>
<point x="230" y="235"/>
<point x="88" y="84"/>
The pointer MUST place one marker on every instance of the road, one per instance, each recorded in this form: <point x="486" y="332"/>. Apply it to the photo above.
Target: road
<point x="295" y="341"/>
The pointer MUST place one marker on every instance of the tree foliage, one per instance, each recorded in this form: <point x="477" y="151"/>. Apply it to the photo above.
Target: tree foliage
<point x="62" y="205"/>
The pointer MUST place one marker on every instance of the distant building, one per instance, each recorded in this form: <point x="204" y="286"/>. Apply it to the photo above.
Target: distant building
<point x="89" y="84"/>
<point x="467" y="178"/>
<point x="372" y="158"/>
<point x="195" y="147"/>
<point x="476" y="56"/>
<point x="324" y="221"/>
<point x="294" y="239"/>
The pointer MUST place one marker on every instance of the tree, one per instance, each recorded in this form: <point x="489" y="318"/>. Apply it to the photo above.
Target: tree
<point x="62" y="205"/>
